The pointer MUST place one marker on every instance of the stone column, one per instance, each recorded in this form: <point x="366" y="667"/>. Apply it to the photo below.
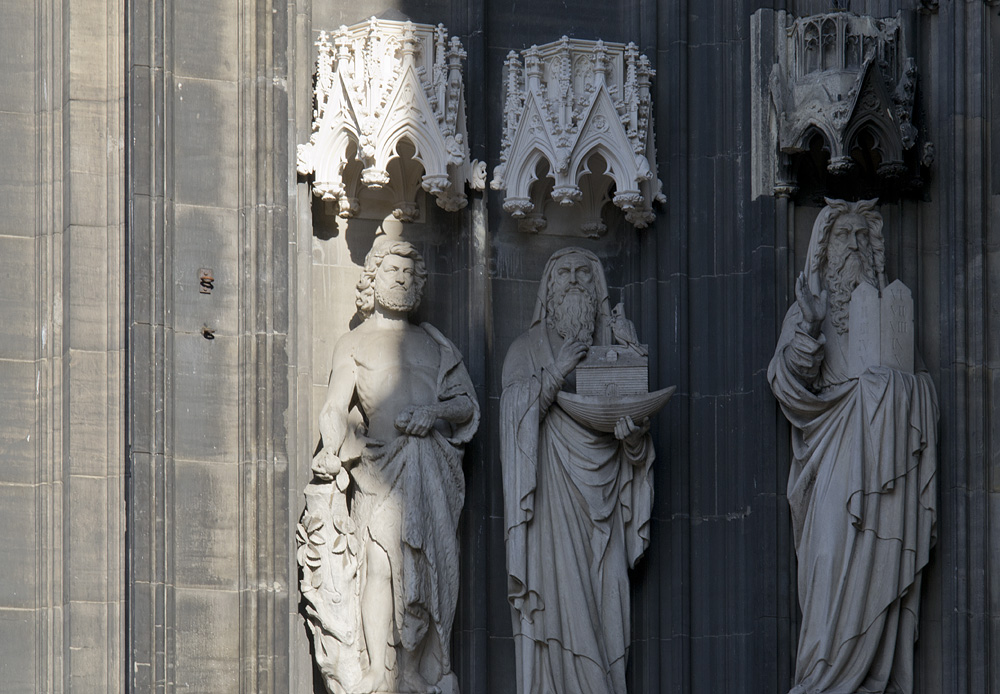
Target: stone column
<point x="61" y="358"/>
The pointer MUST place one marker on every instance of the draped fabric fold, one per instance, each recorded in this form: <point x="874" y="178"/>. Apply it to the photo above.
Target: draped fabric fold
<point x="862" y="490"/>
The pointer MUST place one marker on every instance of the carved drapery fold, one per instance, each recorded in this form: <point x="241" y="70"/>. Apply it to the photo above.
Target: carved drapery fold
<point x="576" y="114"/>
<point x="390" y="114"/>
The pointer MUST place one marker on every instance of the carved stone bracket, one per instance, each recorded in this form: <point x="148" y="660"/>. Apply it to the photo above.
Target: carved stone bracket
<point x="577" y="120"/>
<point x="842" y="77"/>
<point x="390" y="115"/>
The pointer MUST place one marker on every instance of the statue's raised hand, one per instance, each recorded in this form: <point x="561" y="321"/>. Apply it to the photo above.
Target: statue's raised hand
<point x="812" y="307"/>
<point x="570" y="354"/>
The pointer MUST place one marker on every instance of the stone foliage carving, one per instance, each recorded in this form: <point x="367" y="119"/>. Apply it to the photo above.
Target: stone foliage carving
<point x="577" y="475"/>
<point x="578" y="113"/>
<point x="846" y="78"/>
<point x="389" y="113"/>
<point x="380" y="574"/>
<point x="863" y="481"/>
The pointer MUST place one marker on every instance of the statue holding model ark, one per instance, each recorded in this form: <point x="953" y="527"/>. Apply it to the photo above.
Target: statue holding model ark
<point x="380" y="575"/>
<point x="862" y="484"/>
<point x="577" y="474"/>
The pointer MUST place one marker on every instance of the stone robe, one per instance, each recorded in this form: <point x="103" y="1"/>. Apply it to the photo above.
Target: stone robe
<point x="408" y="498"/>
<point x="862" y="490"/>
<point x="577" y="509"/>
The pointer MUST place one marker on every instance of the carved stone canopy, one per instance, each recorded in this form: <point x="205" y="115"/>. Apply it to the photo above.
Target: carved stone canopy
<point x="577" y="121"/>
<point x="390" y="115"/>
<point x="848" y="80"/>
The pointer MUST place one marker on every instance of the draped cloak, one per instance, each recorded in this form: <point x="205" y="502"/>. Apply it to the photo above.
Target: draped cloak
<point x="408" y="498"/>
<point x="577" y="506"/>
<point x="862" y="490"/>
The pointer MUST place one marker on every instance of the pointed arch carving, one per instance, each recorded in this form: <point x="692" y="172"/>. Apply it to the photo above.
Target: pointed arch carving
<point x="838" y="74"/>
<point x="567" y="101"/>
<point x="381" y="83"/>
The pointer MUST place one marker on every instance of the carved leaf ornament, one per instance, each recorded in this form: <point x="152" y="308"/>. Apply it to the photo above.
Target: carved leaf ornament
<point x="389" y="113"/>
<point x="576" y="111"/>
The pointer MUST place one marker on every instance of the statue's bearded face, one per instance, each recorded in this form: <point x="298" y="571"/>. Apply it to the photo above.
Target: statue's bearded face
<point x="571" y="308"/>
<point x="395" y="284"/>
<point x="850" y="261"/>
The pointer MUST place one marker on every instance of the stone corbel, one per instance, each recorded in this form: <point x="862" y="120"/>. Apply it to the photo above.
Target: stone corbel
<point x="578" y="132"/>
<point x="842" y="77"/>
<point x="390" y="116"/>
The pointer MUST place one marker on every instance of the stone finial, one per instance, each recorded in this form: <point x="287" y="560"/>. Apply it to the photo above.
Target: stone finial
<point x="390" y="113"/>
<point x="577" y="120"/>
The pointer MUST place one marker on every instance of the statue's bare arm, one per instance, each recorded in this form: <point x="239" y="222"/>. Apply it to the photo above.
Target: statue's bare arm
<point x="343" y="380"/>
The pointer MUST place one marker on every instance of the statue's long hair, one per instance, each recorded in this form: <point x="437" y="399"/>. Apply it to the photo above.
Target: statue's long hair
<point x="382" y="247"/>
<point x="819" y="242"/>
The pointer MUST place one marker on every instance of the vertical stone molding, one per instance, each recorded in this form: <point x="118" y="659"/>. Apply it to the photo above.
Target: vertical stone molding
<point x="848" y="79"/>
<point x="578" y="130"/>
<point x="390" y="115"/>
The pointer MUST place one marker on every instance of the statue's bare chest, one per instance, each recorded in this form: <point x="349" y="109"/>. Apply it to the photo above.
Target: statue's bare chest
<point x="397" y="366"/>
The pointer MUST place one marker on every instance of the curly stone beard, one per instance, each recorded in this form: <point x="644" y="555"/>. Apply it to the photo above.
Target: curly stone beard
<point x="572" y="312"/>
<point x="397" y="298"/>
<point x="844" y="272"/>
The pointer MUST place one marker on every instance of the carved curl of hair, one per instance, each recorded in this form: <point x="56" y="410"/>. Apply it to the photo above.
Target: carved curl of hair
<point x="835" y="210"/>
<point x="365" y="288"/>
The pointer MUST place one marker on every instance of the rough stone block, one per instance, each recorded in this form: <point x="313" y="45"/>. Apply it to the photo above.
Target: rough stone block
<point x="18" y="531"/>
<point x="206" y="39"/>
<point x="17" y="58"/>
<point x="206" y="387"/>
<point x="88" y="141"/>
<point x="206" y="238"/>
<point x="90" y="542"/>
<point x="206" y="142"/>
<point x="18" y="634"/>
<point x="206" y="525"/>
<point x="89" y="422"/>
<point x="88" y="28"/>
<point x="18" y="298"/>
<point x="207" y="637"/>
<point x="90" y="648"/>
<point x="18" y="421"/>
<point x="93" y="278"/>
<point x="88" y="199"/>
<point x="17" y="175"/>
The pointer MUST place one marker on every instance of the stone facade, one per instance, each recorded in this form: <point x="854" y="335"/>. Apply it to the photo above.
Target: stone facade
<point x="158" y="426"/>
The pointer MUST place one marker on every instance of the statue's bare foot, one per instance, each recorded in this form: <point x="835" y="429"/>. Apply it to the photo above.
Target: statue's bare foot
<point x="374" y="680"/>
<point x="415" y="682"/>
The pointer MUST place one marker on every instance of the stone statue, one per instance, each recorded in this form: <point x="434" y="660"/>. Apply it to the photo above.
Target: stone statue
<point x="380" y="574"/>
<point x="862" y="486"/>
<point x="577" y="499"/>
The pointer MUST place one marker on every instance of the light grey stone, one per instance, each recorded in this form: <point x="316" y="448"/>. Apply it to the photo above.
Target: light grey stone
<point x="206" y="383"/>
<point x="18" y="438"/>
<point x="206" y="519"/>
<point x="381" y="578"/>
<point x="577" y="477"/>
<point x="207" y="655"/>
<point x="18" y="297"/>
<point x="206" y="142"/>
<point x="92" y="409"/>
<point x="18" y="518"/>
<point x="862" y="486"/>
<point x="206" y="39"/>
<point x="18" y="630"/>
